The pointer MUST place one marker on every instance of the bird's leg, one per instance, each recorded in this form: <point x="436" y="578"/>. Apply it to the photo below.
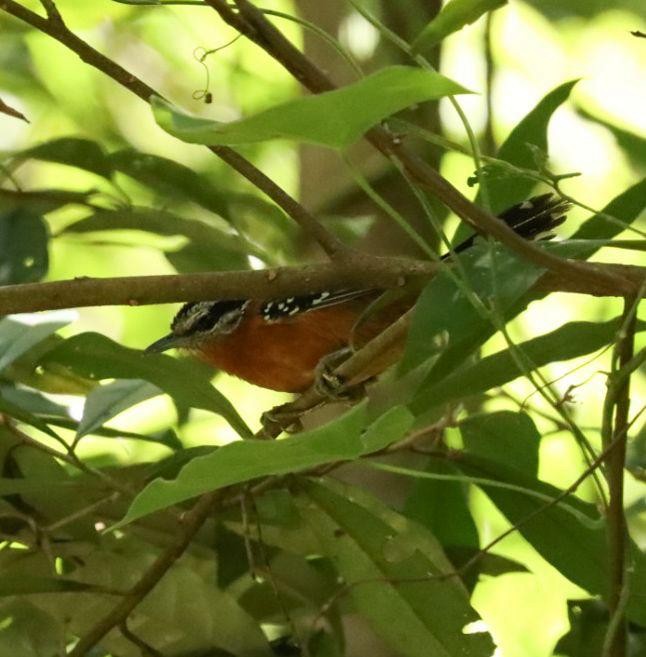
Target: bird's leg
<point x="281" y="417"/>
<point x="333" y="386"/>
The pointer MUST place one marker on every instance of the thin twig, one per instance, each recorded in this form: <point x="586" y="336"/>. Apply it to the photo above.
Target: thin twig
<point x="146" y="649"/>
<point x="192" y="522"/>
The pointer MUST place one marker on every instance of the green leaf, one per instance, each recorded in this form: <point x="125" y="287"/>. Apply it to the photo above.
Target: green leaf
<point x="387" y="429"/>
<point x="23" y="246"/>
<point x="51" y="486"/>
<point x="237" y="462"/>
<point x="557" y="532"/>
<point x="105" y="402"/>
<point x="632" y="144"/>
<point x="335" y="118"/>
<point x="41" y="201"/>
<point x="393" y="563"/>
<point x="14" y="408"/>
<point x="96" y="357"/>
<point x="30" y="584"/>
<point x="627" y="207"/>
<point x="442" y="507"/>
<point x="453" y="17"/>
<point x="568" y="341"/>
<point x="444" y="318"/>
<point x="34" y="402"/>
<point x="531" y="130"/>
<point x="73" y="151"/>
<point x="210" y="248"/>
<point x="170" y="179"/>
<point x="16" y="338"/>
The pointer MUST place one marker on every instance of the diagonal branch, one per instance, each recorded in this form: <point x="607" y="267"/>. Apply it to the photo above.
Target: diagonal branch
<point x="252" y="22"/>
<point x="55" y="27"/>
<point x="192" y="521"/>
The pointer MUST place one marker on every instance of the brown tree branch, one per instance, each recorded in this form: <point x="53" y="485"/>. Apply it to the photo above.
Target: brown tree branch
<point x="358" y="271"/>
<point x="252" y="23"/>
<point x="55" y="27"/>
<point x="614" y="432"/>
<point x="192" y="521"/>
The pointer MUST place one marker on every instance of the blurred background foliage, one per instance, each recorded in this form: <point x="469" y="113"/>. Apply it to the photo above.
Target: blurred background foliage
<point x="196" y="214"/>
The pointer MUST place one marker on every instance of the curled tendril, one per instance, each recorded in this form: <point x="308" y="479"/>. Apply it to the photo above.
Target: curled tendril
<point x="199" y="55"/>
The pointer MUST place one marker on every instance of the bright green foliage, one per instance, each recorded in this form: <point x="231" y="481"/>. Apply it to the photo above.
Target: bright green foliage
<point x="362" y="533"/>
<point x="453" y="17"/>
<point x="334" y="118"/>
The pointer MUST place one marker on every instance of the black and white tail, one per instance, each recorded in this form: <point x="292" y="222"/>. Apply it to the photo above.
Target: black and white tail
<point x="532" y="218"/>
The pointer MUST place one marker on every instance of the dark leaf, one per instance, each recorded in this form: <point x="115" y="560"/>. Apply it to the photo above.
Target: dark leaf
<point x="170" y="179"/>
<point x="29" y="584"/>
<point x="73" y="151"/>
<point x="446" y="322"/>
<point x="10" y="111"/>
<point x="209" y="248"/>
<point x="23" y="246"/>
<point x="41" y="201"/>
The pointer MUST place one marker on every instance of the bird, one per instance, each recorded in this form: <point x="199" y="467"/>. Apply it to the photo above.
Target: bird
<point x="280" y="343"/>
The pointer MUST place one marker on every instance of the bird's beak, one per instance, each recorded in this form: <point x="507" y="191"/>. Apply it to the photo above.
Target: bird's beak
<point x="167" y="342"/>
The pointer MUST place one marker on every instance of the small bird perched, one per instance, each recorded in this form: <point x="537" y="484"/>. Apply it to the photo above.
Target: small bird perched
<point x="278" y="343"/>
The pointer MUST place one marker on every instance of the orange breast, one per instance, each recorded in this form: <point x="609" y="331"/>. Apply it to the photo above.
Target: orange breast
<point x="283" y="355"/>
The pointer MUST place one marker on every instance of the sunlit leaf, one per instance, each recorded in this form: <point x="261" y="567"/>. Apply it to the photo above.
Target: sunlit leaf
<point x="96" y="357"/>
<point x="335" y="118"/>
<point x="340" y="440"/>
<point x="519" y="149"/>
<point x="16" y="338"/>
<point x="633" y="144"/>
<point x="105" y="402"/>
<point x="568" y="341"/>
<point x="397" y="566"/>
<point x="627" y="207"/>
<point x="556" y="532"/>
<point x="453" y="17"/>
